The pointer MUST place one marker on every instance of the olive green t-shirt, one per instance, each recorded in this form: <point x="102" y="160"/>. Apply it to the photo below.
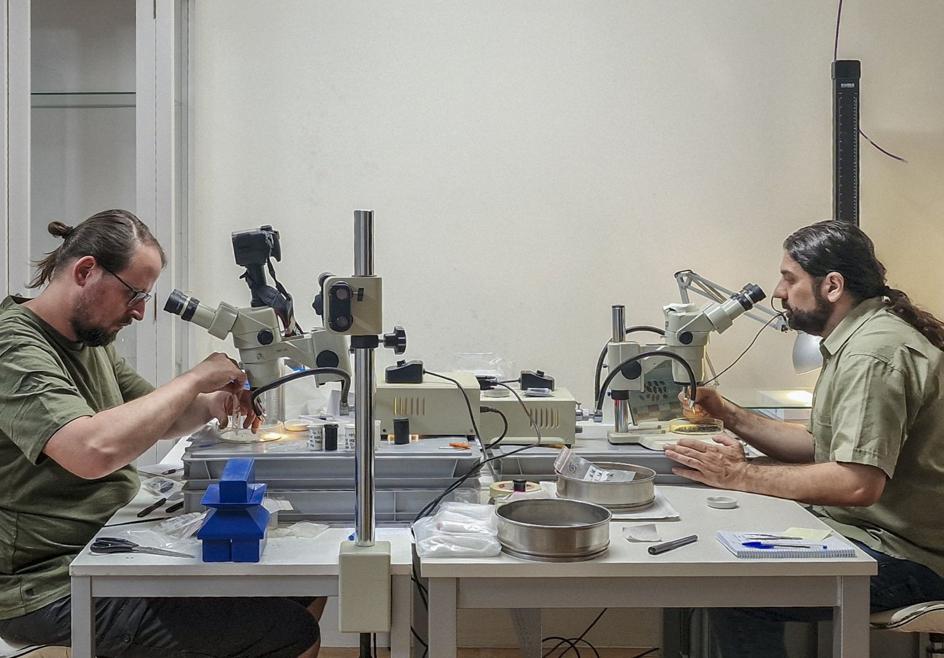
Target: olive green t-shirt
<point x="47" y="514"/>
<point x="879" y="401"/>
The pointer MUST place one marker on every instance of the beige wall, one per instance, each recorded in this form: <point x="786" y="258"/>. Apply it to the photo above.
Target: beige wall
<point x="533" y="162"/>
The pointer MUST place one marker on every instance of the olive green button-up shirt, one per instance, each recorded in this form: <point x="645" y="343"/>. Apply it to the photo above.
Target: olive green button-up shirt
<point x="879" y="401"/>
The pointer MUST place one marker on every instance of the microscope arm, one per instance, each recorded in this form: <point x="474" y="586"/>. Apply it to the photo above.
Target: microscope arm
<point x="690" y="281"/>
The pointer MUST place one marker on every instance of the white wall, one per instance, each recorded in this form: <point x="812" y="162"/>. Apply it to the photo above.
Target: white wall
<point x="532" y="163"/>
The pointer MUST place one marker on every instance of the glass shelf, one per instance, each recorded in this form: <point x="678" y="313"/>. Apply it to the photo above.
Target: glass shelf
<point x="81" y="99"/>
<point x="752" y="398"/>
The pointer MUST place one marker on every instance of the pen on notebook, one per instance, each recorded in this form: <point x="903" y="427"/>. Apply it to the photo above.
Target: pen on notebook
<point x="176" y="507"/>
<point x="670" y="545"/>
<point x="769" y="544"/>
<point x="150" y="508"/>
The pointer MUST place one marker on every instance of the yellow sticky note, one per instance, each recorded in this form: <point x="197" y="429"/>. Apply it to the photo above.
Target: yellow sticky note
<point x="809" y="534"/>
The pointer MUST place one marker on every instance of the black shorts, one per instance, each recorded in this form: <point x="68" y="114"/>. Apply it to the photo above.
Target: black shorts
<point x="178" y="628"/>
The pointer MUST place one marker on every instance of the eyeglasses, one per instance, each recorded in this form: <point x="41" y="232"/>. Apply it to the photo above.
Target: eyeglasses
<point x="137" y="296"/>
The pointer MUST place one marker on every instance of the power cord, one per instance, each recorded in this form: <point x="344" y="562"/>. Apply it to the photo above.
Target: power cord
<point x="343" y="374"/>
<point x="424" y="595"/>
<point x="527" y="413"/>
<point x="504" y="432"/>
<point x="750" y="345"/>
<point x="573" y="641"/>
<point x="835" y="57"/>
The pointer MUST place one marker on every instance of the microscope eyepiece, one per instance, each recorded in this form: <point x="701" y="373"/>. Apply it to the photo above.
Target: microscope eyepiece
<point x="176" y="302"/>
<point x="181" y="304"/>
<point x="749" y="295"/>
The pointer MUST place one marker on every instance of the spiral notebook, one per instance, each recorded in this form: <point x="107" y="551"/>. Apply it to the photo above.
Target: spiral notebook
<point x="832" y="546"/>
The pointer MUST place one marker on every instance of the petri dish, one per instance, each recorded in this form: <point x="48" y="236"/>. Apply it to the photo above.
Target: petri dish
<point x="696" y="426"/>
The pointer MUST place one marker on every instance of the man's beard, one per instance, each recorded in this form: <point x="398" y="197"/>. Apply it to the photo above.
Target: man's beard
<point x="812" y="322"/>
<point x="88" y="333"/>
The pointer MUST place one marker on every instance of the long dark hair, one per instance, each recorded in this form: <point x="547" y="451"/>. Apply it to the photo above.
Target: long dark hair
<point x="834" y="246"/>
<point x="111" y="236"/>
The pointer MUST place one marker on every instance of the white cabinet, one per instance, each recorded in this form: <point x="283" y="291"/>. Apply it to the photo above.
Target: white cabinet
<point x="95" y="119"/>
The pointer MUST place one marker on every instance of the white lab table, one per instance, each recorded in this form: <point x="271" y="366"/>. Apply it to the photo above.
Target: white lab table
<point x="703" y="574"/>
<point x="289" y="567"/>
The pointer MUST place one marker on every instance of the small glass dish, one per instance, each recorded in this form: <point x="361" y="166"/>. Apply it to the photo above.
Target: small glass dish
<point x="234" y="433"/>
<point x="697" y="426"/>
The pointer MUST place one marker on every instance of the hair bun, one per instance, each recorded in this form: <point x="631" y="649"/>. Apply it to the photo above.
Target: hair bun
<point x="60" y="230"/>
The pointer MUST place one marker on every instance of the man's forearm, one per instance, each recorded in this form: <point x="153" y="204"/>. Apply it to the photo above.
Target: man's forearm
<point x="191" y="418"/>
<point x="94" y="446"/>
<point x="829" y="483"/>
<point x="785" y="442"/>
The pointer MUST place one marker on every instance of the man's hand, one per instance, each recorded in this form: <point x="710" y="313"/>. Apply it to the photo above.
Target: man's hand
<point x="708" y="402"/>
<point x="223" y="404"/>
<point x="217" y="372"/>
<point x="721" y="464"/>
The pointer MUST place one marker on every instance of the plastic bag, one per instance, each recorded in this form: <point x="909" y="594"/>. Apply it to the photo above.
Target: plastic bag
<point x="161" y="486"/>
<point x="301" y="529"/>
<point x="445" y="545"/>
<point x="182" y="526"/>
<point x="458" y="530"/>
<point x="572" y="465"/>
<point x="156" y="538"/>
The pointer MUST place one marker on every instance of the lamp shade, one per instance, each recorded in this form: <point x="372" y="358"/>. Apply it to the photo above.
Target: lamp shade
<point x="806" y="354"/>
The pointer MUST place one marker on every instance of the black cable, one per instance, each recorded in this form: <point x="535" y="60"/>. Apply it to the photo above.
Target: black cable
<point x="756" y="336"/>
<point x="492" y="410"/>
<point x="468" y="403"/>
<point x="891" y="155"/>
<point x="574" y="640"/>
<point x="642" y="355"/>
<point x="527" y="413"/>
<point x="835" y="57"/>
<point x="364" y="644"/>
<point x="345" y="384"/>
<point x="836" y="42"/>
<point x="602" y="357"/>
<point x="561" y="640"/>
<point x="424" y="596"/>
<point x="646" y="652"/>
<point x="592" y="624"/>
<point x="418" y="638"/>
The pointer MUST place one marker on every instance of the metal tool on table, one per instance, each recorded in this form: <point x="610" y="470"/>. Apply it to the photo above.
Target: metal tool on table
<point x="109" y="545"/>
<point x="151" y="508"/>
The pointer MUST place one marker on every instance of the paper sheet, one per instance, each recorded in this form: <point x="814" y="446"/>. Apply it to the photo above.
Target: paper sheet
<point x="660" y="510"/>
<point x="645" y="532"/>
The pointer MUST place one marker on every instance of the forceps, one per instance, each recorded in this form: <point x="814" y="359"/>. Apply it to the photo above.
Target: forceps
<point x="106" y="545"/>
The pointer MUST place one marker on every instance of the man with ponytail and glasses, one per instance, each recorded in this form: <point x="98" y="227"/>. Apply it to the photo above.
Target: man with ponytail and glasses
<point x="871" y="462"/>
<point x="73" y="418"/>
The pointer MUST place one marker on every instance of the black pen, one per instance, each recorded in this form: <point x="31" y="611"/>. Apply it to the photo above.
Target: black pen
<point x="669" y="545"/>
<point x="176" y="507"/>
<point x="150" y="508"/>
